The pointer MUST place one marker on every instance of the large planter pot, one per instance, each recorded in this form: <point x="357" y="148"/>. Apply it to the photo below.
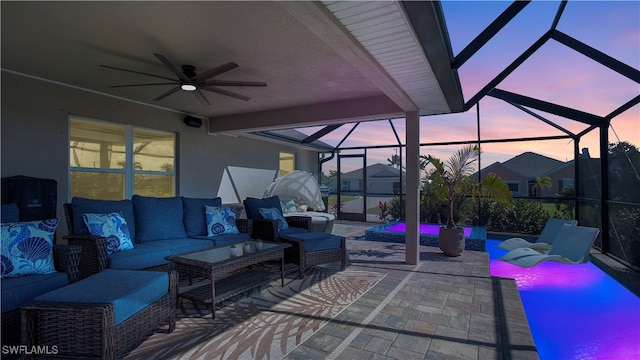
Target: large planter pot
<point x="451" y="241"/>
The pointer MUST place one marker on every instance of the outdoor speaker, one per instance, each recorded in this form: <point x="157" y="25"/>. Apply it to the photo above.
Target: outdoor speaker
<point x="193" y="121"/>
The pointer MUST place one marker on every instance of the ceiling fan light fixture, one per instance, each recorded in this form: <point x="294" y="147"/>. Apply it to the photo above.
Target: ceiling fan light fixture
<point x="188" y="87"/>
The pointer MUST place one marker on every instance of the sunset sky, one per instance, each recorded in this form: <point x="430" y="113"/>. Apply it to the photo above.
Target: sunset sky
<point x="555" y="73"/>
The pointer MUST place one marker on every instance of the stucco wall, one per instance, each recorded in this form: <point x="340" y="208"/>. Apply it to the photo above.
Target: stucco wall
<point x="35" y="137"/>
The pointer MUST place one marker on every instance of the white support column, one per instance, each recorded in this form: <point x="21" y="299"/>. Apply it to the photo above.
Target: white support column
<point x="412" y="209"/>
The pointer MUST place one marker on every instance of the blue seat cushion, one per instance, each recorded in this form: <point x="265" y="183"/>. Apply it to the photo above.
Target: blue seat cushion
<point x="227" y="239"/>
<point x="142" y="256"/>
<point x="10" y="213"/>
<point x="18" y="290"/>
<point x="128" y="291"/>
<point x="195" y="222"/>
<point x="254" y="205"/>
<point x="179" y="246"/>
<point x="82" y="206"/>
<point x="293" y="230"/>
<point x="316" y="241"/>
<point x="158" y="218"/>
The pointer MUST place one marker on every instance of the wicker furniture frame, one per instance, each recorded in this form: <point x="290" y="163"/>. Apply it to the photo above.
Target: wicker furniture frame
<point x="267" y="230"/>
<point x="66" y="259"/>
<point x="231" y="276"/>
<point x="84" y="331"/>
<point x="296" y="254"/>
<point x="94" y="248"/>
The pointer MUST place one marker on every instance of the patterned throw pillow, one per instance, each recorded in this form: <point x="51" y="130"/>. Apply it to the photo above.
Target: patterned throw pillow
<point x="26" y="248"/>
<point x="111" y="226"/>
<point x="220" y="220"/>
<point x="275" y="214"/>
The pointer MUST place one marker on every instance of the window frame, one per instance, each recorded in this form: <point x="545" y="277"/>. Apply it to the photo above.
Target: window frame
<point x="129" y="170"/>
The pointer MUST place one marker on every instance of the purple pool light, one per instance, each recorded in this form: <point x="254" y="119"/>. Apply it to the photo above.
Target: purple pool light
<point x="430" y="229"/>
<point x="574" y="311"/>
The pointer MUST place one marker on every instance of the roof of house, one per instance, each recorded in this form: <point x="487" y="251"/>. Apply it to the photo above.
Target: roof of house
<point x="530" y="164"/>
<point x="377" y="171"/>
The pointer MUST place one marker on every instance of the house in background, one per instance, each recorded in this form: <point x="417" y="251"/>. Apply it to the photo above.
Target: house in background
<point x="520" y="172"/>
<point x="381" y="179"/>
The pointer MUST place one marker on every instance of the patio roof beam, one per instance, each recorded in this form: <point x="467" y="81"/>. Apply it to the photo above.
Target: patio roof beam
<point x="490" y="31"/>
<point x="586" y="131"/>
<point x="596" y="55"/>
<point x="347" y="135"/>
<point x="320" y="133"/>
<point x="467" y="142"/>
<point x="542" y="118"/>
<point x="508" y="70"/>
<point x="628" y="105"/>
<point x="545" y="106"/>
<point x="395" y="132"/>
<point x="556" y="20"/>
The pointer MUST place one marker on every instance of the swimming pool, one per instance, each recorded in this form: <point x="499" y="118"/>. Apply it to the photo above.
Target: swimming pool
<point x="574" y="311"/>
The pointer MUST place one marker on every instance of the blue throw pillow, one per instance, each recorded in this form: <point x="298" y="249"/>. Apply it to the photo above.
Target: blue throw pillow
<point x="221" y="221"/>
<point x="26" y="248"/>
<point x="254" y="205"/>
<point x="195" y="222"/>
<point x="111" y="226"/>
<point x="158" y="218"/>
<point x="82" y="206"/>
<point x="275" y="214"/>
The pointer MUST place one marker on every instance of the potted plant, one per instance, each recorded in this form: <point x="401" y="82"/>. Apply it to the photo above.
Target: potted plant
<point x="452" y="184"/>
<point x="234" y="250"/>
<point x="246" y="248"/>
<point x="258" y="244"/>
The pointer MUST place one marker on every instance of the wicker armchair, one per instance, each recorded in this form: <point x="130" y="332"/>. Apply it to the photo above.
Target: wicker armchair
<point x="66" y="259"/>
<point x="266" y="229"/>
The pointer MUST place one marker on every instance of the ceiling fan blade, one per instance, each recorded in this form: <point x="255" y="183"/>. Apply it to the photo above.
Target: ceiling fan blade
<point x="173" y="90"/>
<point x="215" y="71"/>
<point x="201" y="97"/>
<point x="172" y="67"/>
<point x="234" y="83"/>
<point x="133" y="85"/>
<point x="227" y="93"/>
<point x="137" y="72"/>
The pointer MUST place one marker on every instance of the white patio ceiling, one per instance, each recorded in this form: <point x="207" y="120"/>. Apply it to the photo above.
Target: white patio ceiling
<point x="323" y="63"/>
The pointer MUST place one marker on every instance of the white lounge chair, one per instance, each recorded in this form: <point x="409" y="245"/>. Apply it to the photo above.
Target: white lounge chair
<point x="544" y="241"/>
<point x="571" y="246"/>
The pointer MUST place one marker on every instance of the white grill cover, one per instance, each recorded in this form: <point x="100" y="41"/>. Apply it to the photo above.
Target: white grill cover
<point x="299" y="186"/>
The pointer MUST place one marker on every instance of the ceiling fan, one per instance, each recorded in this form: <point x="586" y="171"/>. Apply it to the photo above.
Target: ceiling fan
<point x="188" y="80"/>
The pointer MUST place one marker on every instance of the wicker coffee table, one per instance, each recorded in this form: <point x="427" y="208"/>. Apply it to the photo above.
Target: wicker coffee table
<point x="229" y="275"/>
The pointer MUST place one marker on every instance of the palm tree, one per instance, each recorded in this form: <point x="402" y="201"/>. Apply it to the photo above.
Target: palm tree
<point x="540" y="184"/>
<point x="452" y="181"/>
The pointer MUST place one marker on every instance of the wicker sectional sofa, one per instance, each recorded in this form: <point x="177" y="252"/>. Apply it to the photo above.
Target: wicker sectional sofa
<point x="159" y="227"/>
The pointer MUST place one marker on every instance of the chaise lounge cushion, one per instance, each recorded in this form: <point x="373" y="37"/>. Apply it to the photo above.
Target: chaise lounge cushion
<point x="10" y="213"/>
<point x="82" y="206"/>
<point x="142" y="256"/>
<point x="226" y="239"/>
<point x="18" y="290"/>
<point x="178" y="246"/>
<point x="158" y="218"/>
<point x="195" y="222"/>
<point x="128" y="291"/>
<point x="317" y="241"/>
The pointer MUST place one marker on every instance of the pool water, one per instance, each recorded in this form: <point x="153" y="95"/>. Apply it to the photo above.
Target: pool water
<point x="574" y="311"/>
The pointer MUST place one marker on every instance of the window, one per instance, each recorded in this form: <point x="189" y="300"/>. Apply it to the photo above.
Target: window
<point x="287" y="163"/>
<point x="514" y="187"/>
<point x="112" y="162"/>
<point x="566" y="183"/>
